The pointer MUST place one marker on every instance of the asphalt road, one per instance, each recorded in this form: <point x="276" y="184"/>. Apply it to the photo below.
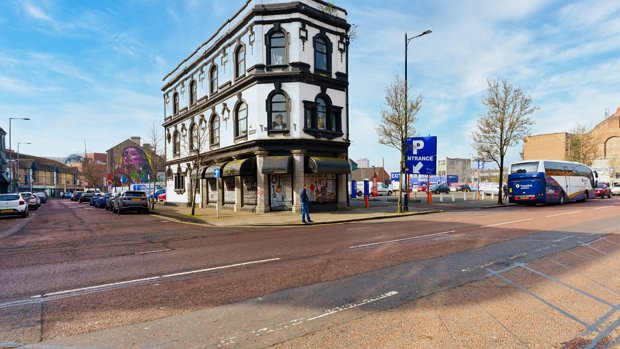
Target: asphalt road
<point x="70" y="269"/>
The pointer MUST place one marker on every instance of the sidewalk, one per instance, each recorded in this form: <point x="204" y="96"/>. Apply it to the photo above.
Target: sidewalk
<point x="379" y="208"/>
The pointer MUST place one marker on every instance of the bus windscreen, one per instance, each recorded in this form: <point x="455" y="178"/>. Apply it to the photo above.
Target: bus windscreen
<point x="525" y="167"/>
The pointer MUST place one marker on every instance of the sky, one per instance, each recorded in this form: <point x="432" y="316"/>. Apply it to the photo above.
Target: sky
<point x="89" y="73"/>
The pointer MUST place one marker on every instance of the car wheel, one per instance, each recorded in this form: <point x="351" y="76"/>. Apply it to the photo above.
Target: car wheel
<point x="359" y="193"/>
<point x="25" y="214"/>
<point x="562" y="199"/>
<point x="119" y="211"/>
<point x="389" y="193"/>
<point x="146" y="211"/>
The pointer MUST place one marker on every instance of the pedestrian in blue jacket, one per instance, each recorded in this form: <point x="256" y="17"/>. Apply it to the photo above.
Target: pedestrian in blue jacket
<point x="305" y="207"/>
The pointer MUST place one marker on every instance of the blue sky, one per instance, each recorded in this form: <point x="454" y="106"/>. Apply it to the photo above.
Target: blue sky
<point x="92" y="70"/>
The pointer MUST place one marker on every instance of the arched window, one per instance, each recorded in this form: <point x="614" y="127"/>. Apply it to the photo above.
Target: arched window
<point x="192" y="92"/>
<point x="322" y="54"/>
<point x="176" y="145"/>
<point x="277" y="48"/>
<point x="214" y="129"/>
<point x="213" y="79"/>
<point x="241" y="120"/>
<point x="175" y="103"/>
<point x="194" y="142"/>
<point x="322" y="119"/>
<point x="240" y="62"/>
<point x="278" y="114"/>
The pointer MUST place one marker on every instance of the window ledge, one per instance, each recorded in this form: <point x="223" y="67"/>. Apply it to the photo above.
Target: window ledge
<point x="241" y="138"/>
<point x="323" y="133"/>
<point x="179" y="191"/>
<point x="281" y="132"/>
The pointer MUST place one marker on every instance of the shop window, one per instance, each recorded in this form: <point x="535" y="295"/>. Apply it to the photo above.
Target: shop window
<point x="322" y="53"/>
<point x="278" y="117"/>
<point x="179" y="181"/>
<point x="240" y="62"/>
<point x="214" y="129"/>
<point x="241" y="120"/>
<point x="249" y="190"/>
<point x="211" y="190"/>
<point x="321" y="188"/>
<point x="229" y="190"/>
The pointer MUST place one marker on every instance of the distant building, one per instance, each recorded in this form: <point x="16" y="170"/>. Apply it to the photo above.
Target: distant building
<point x="41" y="174"/>
<point x="455" y="167"/>
<point x="363" y="163"/>
<point x="131" y="162"/>
<point x="371" y="172"/>
<point x="4" y="165"/>
<point x="555" y="146"/>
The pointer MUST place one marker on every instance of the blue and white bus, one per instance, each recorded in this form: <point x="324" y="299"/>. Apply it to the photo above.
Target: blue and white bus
<point x="550" y="181"/>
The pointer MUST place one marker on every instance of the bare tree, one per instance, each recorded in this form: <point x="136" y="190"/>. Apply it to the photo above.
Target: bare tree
<point x="582" y="145"/>
<point x="92" y="171"/>
<point x="507" y="122"/>
<point x="397" y="125"/>
<point x="195" y="145"/>
<point x="157" y="154"/>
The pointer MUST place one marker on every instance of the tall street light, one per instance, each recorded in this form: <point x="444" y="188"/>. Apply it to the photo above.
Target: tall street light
<point x="404" y="146"/>
<point x="11" y="153"/>
<point x="17" y="167"/>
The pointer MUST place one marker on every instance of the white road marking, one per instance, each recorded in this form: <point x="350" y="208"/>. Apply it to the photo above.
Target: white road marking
<point x="504" y="223"/>
<point x="154" y="251"/>
<point x="602" y="207"/>
<point x="403" y="239"/>
<point x="562" y="214"/>
<point x="359" y="228"/>
<point x="564" y="238"/>
<point x="128" y="282"/>
<point x="353" y="305"/>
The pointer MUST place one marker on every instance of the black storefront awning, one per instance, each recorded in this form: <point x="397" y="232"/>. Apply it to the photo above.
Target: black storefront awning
<point x="209" y="171"/>
<point x="317" y="164"/>
<point x="243" y="167"/>
<point x="278" y="164"/>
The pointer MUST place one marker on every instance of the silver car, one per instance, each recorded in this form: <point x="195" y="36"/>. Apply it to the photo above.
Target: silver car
<point x="131" y="201"/>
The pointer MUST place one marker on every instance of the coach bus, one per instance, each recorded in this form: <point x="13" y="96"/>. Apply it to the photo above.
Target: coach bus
<point x="550" y="181"/>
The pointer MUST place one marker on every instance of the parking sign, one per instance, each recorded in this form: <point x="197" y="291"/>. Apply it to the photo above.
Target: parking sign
<point x="422" y="155"/>
<point x="216" y="172"/>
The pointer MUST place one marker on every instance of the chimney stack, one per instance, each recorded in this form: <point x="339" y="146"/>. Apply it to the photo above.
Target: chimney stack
<point x="135" y="139"/>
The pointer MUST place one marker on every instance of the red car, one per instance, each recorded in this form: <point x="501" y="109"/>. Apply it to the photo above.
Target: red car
<point x="161" y="197"/>
<point x="422" y="187"/>
<point x="602" y="191"/>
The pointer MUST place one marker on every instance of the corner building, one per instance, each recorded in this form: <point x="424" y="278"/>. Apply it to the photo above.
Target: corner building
<point x="265" y="100"/>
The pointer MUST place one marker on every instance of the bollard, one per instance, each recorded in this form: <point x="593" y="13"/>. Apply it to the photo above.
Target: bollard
<point x="492" y="196"/>
<point x="441" y="197"/>
<point x="464" y="195"/>
<point x="452" y="193"/>
<point x="366" y="197"/>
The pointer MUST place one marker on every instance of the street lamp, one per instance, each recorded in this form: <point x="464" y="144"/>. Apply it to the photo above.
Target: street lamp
<point x="404" y="147"/>
<point x="17" y="167"/>
<point x="11" y="152"/>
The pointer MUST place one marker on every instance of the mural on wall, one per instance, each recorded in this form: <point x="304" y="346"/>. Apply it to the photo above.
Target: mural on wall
<point x="133" y="167"/>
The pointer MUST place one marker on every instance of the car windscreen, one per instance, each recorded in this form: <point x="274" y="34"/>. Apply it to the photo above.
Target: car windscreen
<point x="524" y="167"/>
<point x="9" y="197"/>
<point x="134" y="194"/>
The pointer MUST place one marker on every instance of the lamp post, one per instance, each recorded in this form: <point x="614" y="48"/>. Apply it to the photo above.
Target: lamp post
<point x="17" y="167"/>
<point x="11" y="153"/>
<point x="404" y="146"/>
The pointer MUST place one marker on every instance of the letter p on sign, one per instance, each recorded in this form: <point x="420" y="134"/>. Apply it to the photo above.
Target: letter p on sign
<point x="417" y="145"/>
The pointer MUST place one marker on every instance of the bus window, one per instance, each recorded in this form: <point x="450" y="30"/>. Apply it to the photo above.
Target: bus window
<point x="525" y="167"/>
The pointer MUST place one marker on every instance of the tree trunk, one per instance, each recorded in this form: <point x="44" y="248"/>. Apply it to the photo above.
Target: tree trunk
<point x="195" y="190"/>
<point x="501" y="183"/>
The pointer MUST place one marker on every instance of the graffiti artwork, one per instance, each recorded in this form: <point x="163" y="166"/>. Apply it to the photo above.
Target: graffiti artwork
<point x="133" y="167"/>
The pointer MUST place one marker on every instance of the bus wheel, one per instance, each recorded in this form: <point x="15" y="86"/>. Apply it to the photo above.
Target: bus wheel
<point x="562" y="199"/>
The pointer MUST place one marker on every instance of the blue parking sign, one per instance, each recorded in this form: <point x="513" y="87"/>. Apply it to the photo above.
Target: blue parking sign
<point x="422" y="155"/>
<point x="216" y="172"/>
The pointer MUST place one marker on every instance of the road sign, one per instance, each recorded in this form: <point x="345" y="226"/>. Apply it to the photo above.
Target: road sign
<point x="481" y="165"/>
<point x="216" y="172"/>
<point x="422" y="155"/>
<point x="394" y="176"/>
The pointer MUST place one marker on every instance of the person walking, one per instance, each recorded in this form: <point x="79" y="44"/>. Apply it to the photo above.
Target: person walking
<point x="305" y="206"/>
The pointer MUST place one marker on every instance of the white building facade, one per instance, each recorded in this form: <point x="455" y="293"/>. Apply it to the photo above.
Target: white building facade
<point x="265" y="101"/>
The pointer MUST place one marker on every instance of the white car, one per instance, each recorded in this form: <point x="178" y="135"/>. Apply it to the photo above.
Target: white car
<point x="489" y="188"/>
<point x="13" y="204"/>
<point x="615" y="189"/>
<point x="382" y="189"/>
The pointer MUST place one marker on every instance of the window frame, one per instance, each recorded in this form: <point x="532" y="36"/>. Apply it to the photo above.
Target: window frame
<point x="270" y="111"/>
<point x="239" y="73"/>
<point x="236" y="120"/>
<point x="328" y="53"/>
<point x="268" y="42"/>
<point x="333" y="118"/>
<point x="214" y="133"/>
<point x="213" y="79"/>
<point x="176" y="143"/>
<point x="193" y="92"/>
<point x="175" y="103"/>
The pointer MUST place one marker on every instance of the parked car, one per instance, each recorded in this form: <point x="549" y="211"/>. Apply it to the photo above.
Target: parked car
<point x="463" y="187"/>
<point x="33" y="201"/>
<point x="94" y="200"/>
<point x="615" y="189"/>
<point x="439" y="188"/>
<point x="85" y="197"/>
<point x="102" y="199"/>
<point x="489" y="188"/>
<point x="76" y="195"/>
<point x="131" y="201"/>
<point x="156" y="194"/>
<point x="422" y="187"/>
<point x="66" y="195"/>
<point x="162" y="197"/>
<point x="109" y="201"/>
<point x="602" y="191"/>
<point x="42" y="195"/>
<point x="13" y="204"/>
